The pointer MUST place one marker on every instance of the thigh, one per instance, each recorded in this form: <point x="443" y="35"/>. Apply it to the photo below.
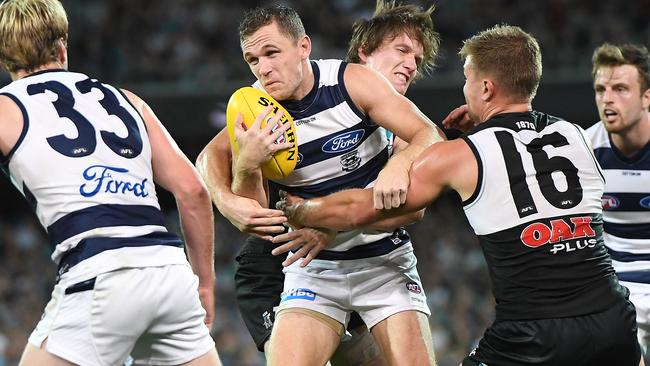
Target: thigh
<point x="258" y="284"/>
<point x="405" y="339"/>
<point x="360" y="349"/>
<point x="33" y="356"/>
<point x="299" y="339"/>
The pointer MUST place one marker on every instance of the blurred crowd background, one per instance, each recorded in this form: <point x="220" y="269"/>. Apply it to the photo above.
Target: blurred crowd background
<point x="183" y="57"/>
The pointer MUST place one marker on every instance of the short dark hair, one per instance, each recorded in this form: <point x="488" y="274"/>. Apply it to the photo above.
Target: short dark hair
<point x="626" y="54"/>
<point x="391" y="20"/>
<point x="508" y="54"/>
<point x="286" y="18"/>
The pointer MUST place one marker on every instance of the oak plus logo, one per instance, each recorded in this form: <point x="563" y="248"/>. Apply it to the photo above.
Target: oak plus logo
<point x="564" y="236"/>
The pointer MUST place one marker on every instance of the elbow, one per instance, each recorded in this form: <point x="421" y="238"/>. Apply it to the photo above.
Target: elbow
<point x="193" y="191"/>
<point x="417" y="216"/>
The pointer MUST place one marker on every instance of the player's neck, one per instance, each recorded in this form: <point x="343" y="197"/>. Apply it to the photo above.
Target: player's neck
<point x="499" y="108"/>
<point x="308" y="81"/>
<point x="632" y="140"/>
<point x="19" y="74"/>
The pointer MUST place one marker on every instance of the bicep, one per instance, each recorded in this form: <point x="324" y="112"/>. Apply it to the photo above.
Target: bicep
<point x="433" y="170"/>
<point x="375" y="97"/>
<point x="11" y="124"/>
<point x="215" y="161"/>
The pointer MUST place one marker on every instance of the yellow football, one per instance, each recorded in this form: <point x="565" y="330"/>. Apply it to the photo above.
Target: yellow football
<point x="249" y="102"/>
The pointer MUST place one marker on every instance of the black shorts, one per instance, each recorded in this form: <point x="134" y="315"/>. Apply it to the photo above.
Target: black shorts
<point x="606" y="338"/>
<point x="258" y="284"/>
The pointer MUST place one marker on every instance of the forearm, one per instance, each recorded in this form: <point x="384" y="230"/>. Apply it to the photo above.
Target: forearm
<point x="390" y="224"/>
<point x="423" y="138"/>
<point x="249" y="182"/>
<point x="345" y="210"/>
<point x="197" y="224"/>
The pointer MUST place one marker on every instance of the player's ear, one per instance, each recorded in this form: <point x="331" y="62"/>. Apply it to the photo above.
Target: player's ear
<point x="304" y="44"/>
<point x="488" y="90"/>
<point x="61" y="51"/>
<point x="362" y="55"/>
<point x="645" y="99"/>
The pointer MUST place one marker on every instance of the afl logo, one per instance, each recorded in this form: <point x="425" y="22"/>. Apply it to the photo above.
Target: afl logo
<point x="413" y="287"/>
<point x="610" y="202"/>
<point x="645" y="202"/>
<point x="343" y="142"/>
<point x="299" y="159"/>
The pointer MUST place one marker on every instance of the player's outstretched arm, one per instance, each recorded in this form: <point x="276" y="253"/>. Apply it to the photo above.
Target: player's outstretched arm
<point x="445" y="164"/>
<point x="247" y="215"/>
<point x="378" y="99"/>
<point x="174" y="172"/>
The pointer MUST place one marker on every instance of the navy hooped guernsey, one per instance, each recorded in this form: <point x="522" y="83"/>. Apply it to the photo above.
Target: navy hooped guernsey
<point x="83" y="161"/>
<point x="626" y="207"/>
<point x="537" y="213"/>
<point x="339" y="148"/>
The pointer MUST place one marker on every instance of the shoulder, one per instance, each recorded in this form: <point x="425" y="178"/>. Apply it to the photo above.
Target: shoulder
<point x="137" y="102"/>
<point x="9" y="109"/>
<point x="598" y="136"/>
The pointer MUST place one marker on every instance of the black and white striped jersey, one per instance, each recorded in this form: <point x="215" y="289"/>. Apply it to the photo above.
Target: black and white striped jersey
<point x="537" y="213"/>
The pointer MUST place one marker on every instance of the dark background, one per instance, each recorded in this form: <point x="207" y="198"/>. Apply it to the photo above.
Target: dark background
<point x="183" y="58"/>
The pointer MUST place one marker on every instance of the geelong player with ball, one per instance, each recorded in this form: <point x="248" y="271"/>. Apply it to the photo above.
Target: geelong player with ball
<point x="401" y="52"/>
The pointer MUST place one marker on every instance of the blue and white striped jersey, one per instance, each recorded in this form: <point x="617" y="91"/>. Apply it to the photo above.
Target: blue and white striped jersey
<point x="626" y="206"/>
<point x="339" y="148"/>
<point x="84" y="163"/>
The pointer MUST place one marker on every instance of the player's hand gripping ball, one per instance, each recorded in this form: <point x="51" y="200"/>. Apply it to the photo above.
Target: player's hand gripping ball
<point x="250" y="102"/>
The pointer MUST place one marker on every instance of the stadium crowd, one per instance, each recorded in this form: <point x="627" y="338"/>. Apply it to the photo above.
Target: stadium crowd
<point x="195" y="43"/>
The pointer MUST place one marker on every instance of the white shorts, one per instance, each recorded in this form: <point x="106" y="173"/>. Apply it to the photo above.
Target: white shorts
<point x="640" y="297"/>
<point x="375" y="287"/>
<point x="152" y="313"/>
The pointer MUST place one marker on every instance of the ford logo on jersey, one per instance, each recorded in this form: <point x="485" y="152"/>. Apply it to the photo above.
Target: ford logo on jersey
<point x="298" y="293"/>
<point x="645" y="202"/>
<point x="610" y="202"/>
<point x="100" y="179"/>
<point x="343" y="142"/>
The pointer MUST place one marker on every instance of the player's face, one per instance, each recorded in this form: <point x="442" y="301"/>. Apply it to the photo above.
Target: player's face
<point x="276" y="60"/>
<point x="397" y="59"/>
<point x="472" y="90"/>
<point x="620" y="101"/>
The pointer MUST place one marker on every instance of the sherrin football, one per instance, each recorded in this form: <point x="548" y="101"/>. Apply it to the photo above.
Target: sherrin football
<point x="249" y="102"/>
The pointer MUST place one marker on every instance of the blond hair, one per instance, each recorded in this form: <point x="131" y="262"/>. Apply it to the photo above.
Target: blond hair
<point x="29" y="32"/>
<point x="509" y="55"/>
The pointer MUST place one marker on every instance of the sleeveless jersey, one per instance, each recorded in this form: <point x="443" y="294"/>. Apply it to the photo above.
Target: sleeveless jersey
<point x="83" y="161"/>
<point x="626" y="206"/>
<point x="536" y="211"/>
<point x="339" y="147"/>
